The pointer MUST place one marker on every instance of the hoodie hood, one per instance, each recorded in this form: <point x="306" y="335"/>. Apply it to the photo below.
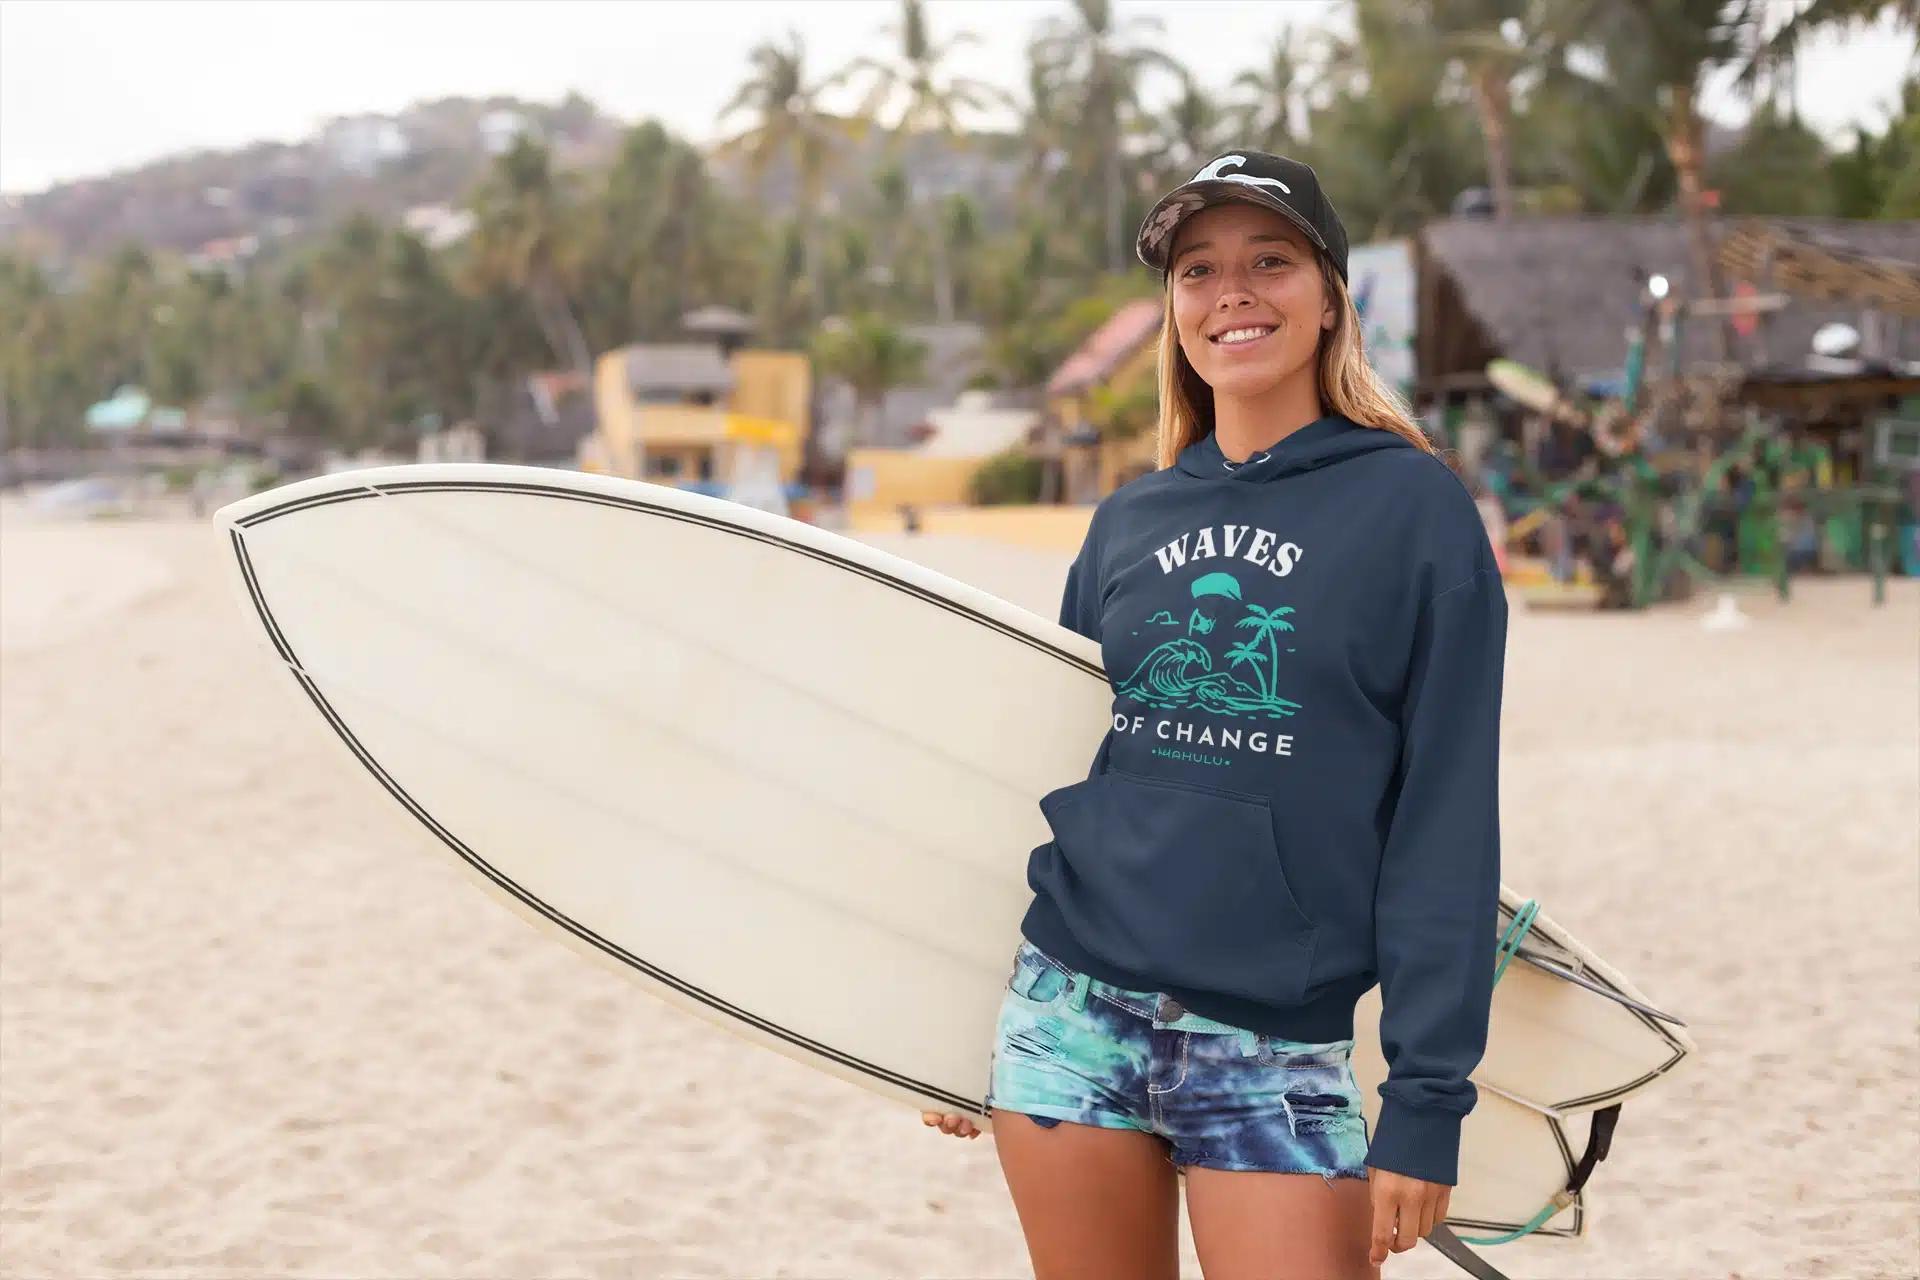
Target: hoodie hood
<point x="1318" y="444"/>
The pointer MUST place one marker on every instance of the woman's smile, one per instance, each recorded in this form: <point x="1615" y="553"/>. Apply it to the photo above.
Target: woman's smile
<point x="1244" y="336"/>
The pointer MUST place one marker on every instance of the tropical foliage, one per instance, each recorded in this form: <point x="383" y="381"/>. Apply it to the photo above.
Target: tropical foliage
<point x="878" y="215"/>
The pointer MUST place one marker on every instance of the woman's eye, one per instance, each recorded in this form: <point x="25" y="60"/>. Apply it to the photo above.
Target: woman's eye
<point x="1270" y="261"/>
<point x="1194" y="269"/>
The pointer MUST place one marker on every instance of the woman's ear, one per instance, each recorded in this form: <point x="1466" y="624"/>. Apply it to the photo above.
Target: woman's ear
<point x="1327" y="315"/>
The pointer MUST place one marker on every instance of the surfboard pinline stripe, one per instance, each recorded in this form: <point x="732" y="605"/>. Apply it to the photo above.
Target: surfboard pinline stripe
<point x="333" y="718"/>
<point x="399" y="488"/>
<point x="1595" y="1101"/>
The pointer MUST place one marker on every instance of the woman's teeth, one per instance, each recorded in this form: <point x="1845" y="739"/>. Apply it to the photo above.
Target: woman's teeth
<point x="1233" y="337"/>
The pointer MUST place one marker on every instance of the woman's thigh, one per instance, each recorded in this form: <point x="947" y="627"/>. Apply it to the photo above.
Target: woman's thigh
<point x="1280" y="1226"/>
<point x="1094" y="1203"/>
<point x="1272" y="1134"/>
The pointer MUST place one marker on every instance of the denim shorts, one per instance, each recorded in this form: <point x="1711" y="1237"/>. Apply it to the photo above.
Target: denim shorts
<point x="1071" y="1048"/>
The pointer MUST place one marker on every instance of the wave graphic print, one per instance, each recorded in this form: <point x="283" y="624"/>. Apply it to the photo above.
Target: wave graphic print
<point x="1179" y="674"/>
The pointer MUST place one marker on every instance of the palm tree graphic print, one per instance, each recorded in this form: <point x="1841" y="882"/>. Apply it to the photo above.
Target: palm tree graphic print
<point x="1181" y="672"/>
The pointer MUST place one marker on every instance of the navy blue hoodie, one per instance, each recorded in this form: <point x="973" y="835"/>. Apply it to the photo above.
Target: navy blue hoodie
<point x="1297" y="797"/>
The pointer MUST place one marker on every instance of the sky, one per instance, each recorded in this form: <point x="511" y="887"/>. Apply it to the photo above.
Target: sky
<point x="88" y="87"/>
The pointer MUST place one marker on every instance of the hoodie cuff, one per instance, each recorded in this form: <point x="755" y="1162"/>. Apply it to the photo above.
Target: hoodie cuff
<point x="1417" y="1143"/>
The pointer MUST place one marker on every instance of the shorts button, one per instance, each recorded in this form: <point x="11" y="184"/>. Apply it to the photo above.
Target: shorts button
<point x="1170" y="1010"/>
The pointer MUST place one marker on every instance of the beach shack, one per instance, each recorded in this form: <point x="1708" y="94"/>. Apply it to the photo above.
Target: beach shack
<point x="1562" y="296"/>
<point x="1767" y="395"/>
<point x="131" y="413"/>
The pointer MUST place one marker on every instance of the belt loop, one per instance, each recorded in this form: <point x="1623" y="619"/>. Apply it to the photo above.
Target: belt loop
<point x="1249" y="1043"/>
<point x="1079" y="1001"/>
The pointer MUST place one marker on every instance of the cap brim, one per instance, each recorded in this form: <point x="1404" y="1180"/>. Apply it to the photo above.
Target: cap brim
<point x="1163" y="222"/>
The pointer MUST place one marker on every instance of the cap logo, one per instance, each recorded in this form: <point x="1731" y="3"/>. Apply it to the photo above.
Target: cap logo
<point x="1212" y="173"/>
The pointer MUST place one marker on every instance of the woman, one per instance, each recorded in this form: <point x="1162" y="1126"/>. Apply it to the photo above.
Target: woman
<point x="1304" y="628"/>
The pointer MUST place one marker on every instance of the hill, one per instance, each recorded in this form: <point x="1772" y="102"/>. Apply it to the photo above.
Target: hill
<point x="429" y="154"/>
<point x="216" y="203"/>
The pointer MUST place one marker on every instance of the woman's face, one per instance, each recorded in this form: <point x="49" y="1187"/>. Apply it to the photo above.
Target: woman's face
<point x="1249" y="302"/>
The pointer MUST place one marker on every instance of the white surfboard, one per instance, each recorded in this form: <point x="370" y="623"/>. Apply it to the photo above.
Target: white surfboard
<point x="741" y="759"/>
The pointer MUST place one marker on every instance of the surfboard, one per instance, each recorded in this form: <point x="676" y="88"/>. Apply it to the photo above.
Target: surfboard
<point x="785" y="781"/>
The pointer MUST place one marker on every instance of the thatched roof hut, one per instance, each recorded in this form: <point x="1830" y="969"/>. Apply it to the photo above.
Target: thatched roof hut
<point x="1558" y="294"/>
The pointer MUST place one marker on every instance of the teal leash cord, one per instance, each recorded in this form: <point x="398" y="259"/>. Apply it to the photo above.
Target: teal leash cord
<point x="1540" y="1220"/>
<point x="1509" y="943"/>
<point x="1516" y="934"/>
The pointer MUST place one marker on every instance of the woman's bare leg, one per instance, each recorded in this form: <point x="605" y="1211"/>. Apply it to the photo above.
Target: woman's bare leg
<point x="1095" y="1204"/>
<point x="1280" y="1226"/>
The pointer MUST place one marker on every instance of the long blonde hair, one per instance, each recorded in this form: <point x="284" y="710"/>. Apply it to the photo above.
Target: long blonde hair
<point x="1348" y="384"/>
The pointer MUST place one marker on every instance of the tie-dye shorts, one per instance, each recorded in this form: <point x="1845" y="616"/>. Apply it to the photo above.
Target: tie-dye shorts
<point x="1075" y="1049"/>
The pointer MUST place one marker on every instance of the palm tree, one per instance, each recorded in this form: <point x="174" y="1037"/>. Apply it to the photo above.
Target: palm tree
<point x="1818" y="15"/>
<point x="1246" y="651"/>
<point x="961" y="223"/>
<point x="114" y="317"/>
<point x="913" y="95"/>
<point x="1046" y="129"/>
<point x="914" y="88"/>
<point x="1266" y="624"/>
<point x="1603" y="150"/>
<point x="788" y="127"/>
<point x="1475" y="34"/>
<point x="1188" y="133"/>
<point x="43" y="389"/>
<point x="871" y="357"/>
<point x="1765" y="173"/>
<point x="660" y="242"/>
<point x="1104" y="58"/>
<point x="1263" y="115"/>
<point x="1664" y="50"/>
<point x="1386" y="136"/>
<point x="523" y="233"/>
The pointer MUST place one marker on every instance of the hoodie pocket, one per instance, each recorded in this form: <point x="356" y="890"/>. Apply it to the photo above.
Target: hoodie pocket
<point x="1179" y="883"/>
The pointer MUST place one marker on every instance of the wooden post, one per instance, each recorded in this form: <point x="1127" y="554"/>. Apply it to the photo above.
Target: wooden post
<point x="1877" y="517"/>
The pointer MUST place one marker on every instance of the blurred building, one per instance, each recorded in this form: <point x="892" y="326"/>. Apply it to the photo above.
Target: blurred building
<point x="362" y="144"/>
<point x="939" y="469"/>
<point x="688" y="413"/>
<point x="229" y="256"/>
<point x="1116" y="363"/>
<point x="501" y="128"/>
<point x="439" y="225"/>
<point x="1488" y="290"/>
<point x="955" y="356"/>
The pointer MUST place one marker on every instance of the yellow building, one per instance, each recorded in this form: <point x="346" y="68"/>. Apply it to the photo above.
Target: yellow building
<point x="939" y="470"/>
<point x="1119" y="357"/>
<point x="680" y="413"/>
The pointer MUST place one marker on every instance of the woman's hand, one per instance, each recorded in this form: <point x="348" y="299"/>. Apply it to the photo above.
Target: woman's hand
<point x="1404" y="1211"/>
<point x="955" y="1126"/>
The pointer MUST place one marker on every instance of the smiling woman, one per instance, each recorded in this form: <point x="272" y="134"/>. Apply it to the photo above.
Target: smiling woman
<point x="1265" y="241"/>
<point x="1219" y="894"/>
<point x="1254" y="353"/>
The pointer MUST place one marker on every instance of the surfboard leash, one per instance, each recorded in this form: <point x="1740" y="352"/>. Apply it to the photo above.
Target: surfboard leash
<point x="1452" y="1246"/>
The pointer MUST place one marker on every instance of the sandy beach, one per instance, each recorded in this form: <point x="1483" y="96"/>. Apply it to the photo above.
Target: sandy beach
<point x="248" y="1028"/>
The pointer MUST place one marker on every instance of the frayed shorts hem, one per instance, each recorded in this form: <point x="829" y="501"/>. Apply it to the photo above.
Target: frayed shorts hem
<point x="1223" y="1166"/>
<point x="1047" y="1117"/>
<point x="1050" y="1117"/>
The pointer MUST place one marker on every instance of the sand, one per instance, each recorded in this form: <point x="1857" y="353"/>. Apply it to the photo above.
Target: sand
<point x="248" y="1028"/>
